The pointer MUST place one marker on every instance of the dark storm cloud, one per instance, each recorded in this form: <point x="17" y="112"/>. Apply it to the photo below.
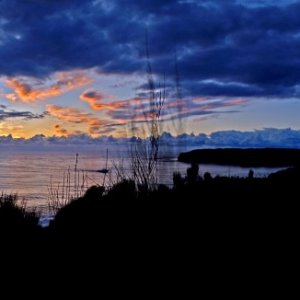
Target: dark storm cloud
<point x="6" y="113"/>
<point x="231" y="89"/>
<point x="242" y="50"/>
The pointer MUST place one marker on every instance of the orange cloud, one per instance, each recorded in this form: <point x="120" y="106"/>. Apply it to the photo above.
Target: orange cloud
<point x="94" y="98"/>
<point x="60" y="131"/>
<point x="68" y="114"/>
<point x="26" y="93"/>
<point x="76" y="116"/>
<point x="6" y="128"/>
<point x="64" y="82"/>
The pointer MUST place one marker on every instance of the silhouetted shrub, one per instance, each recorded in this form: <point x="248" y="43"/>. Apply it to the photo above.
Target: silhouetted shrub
<point x="178" y="180"/>
<point x="15" y="222"/>
<point x="94" y="192"/>
<point x="251" y="174"/>
<point x="192" y="174"/>
<point x="124" y="190"/>
<point x="207" y="177"/>
<point x="11" y="212"/>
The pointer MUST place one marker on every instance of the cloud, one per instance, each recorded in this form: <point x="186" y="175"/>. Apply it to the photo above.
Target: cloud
<point x="95" y="125"/>
<point x="6" y="113"/>
<point x="69" y="114"/>
<point x="26" y="92"/>
<point x="141" y="110"/>
<point x="214" y="40"/>
<point x="223" y="89"/>
<point x="268" y="137"/>
<point x="95" y="100"/>
<point x="60" y="131"/>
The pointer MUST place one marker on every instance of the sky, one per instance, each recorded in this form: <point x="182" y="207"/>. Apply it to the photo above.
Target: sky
<point x="70" y="67"/>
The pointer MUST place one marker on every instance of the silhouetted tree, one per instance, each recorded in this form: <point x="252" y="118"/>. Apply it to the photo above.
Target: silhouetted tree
<point x="192" y="174"/>
<point x="251" y="174"/>
<point x="207" y="177"/>
<point x="178" y="180"/>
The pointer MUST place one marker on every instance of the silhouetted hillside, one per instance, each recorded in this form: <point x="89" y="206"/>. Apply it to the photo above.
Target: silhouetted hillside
<point x="252" y="157"/>
<point x="128" y="228"/>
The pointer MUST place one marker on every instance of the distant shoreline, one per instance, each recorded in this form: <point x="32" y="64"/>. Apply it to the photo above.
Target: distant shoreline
<point x="249" y="157"/>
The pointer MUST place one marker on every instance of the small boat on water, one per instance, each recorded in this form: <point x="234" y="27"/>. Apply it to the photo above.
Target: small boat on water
<point x="104" y="171"/>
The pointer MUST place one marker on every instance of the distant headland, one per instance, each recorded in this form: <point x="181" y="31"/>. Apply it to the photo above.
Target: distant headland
<point x="250" y="157"/>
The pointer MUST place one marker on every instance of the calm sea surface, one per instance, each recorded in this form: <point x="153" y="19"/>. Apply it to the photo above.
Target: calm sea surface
<point x="34" y="174"/>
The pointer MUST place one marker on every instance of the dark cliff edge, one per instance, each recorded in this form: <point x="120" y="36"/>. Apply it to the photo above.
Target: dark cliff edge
<point x="250" y="157"/>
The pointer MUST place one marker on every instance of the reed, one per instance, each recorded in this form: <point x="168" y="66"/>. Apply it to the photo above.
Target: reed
<point x="74" y="184"/>
<point x="13" y="208"/>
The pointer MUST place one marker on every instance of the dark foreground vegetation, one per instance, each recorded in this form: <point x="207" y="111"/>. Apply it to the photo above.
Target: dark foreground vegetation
<point x="252" y="157"/>
<point x="202" y="222"/>
<point x="127" y="212"/>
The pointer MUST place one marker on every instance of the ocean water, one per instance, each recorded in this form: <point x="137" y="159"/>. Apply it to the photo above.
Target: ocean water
<point x="35" y="174"/>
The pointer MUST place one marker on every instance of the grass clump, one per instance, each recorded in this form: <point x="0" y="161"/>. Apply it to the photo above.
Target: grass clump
<point x="15" y="220"/>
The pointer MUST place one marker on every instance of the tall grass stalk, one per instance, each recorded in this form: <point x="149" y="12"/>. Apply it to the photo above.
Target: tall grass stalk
<point x="144" y="152"/>
<point x="11" y="202"/>
<point x="72" y="187"/>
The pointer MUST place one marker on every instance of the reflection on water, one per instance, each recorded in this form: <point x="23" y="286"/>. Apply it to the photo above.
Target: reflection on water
<point x="29" y="173"/>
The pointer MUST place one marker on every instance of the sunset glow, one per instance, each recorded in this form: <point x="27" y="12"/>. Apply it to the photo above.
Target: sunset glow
<point x="229" y="73"/>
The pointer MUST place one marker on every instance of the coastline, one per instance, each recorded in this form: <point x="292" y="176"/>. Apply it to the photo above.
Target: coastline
<point x="244" y="157"/>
